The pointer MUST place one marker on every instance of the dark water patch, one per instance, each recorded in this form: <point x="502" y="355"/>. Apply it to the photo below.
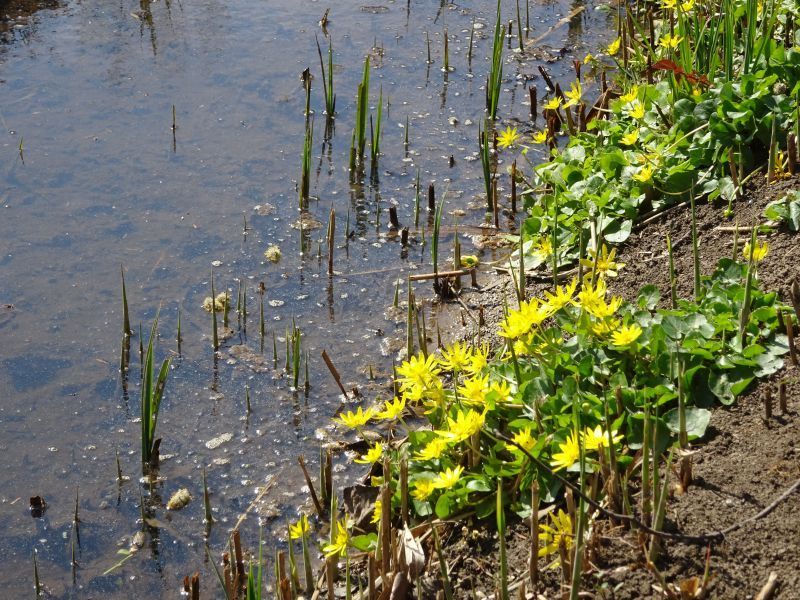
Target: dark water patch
<point x="34" y="370"/>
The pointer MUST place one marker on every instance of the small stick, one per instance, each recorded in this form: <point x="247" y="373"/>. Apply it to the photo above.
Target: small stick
<point x="331" y="244"/>
<point x="790" y="335"/>
<point x="769" y="588"/>
<point x="782" y="397"/>
<point x="532" y="92"/>
<point x="404" y="236"/>
<point x="237" y="548"/>
<point x="767" y="404"/>
<point x="533" y="561"/>
<point x="426" y="276"/>
<point x="317" y="506"/>
<point x="514" y="187"/>
<point x="334" y="372"/>
<point x="794" y="294"/>
<point x="393" y="222"/>
<point x="431" y="198"/>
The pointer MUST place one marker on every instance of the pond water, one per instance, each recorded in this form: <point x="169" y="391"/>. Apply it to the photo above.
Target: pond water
<point x="93" y="177"/>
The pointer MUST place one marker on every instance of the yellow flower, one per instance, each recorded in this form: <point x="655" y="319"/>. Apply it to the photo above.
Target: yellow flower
<point x="569" y="454"/>
<point x="696" y="92"/>
<point x="418" y="370"/>
<point x="543" y="247"/>
<point x="339" y="545"/>
<point x="478" y="360"/>
<point x="562" y="297"/>
<point x="603" y="262"/>
<point x="392" y="409"/>
<point x="456" y="357"/>
<point x="354" y="420"/>
<point x="552" y="104"/>
<point x="632" y="95"/>
<point x="520" y="321"/>
<point x="372" y="456"/>
<point x="630" y="138"/>
<point x="670" y="42"/>
<point x="668" y="4"/>
<point x="376" y="514"/>
<point x="432" y="450"/>
<point x="448" y="478"/>
<point x="508" y="137"/>
<point x="687" y="6"/>
<point x="644" y="175"/>
<point x="625" y="335"/>
<point x="593" y="300"/>
<point x="524" y="439"/>
<point x="469" y="261"/>
<point x="502" y="390"/>
<point x="540" y="137"/>
<point x="597" y="438"/>
<point x="613" y="47"/>
<point x="574" y="94"/>
<point x="300" y="529"/>
<point x="464" y="426"/>
<point x="423" y="488"/>
<point x="559" y="531"/>
<point x="474" y="389"/>
<point x="588" y="59"/>
<point x="605" y="326"/>
<point x="636" y="111"/>
<point x="759" y="251"/>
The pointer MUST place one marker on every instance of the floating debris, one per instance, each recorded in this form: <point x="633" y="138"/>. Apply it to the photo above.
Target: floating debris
<point x="272" y="254"/>
<point x="216" y="442"/>
<point x="37" y="506"/>
<point x="180" y="498"/>
<point x="219" y="303"/>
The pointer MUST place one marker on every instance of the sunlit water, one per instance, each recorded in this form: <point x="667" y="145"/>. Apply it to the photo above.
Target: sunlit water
<point x="93" y="178"/>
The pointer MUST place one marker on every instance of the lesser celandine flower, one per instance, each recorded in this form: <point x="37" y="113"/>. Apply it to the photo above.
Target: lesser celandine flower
<point x="626" y="335"/>
<point x="559" y="531"/>
<point x="605" y="326"/>
<point x="502" y="390"/>
<point x="508" y="137"/>
<point x="339" y="544"/>
<point x="423" y="488"/>
<point x="687" y="6"/>
<point x="613" y="47"/>
<point x="597" y="438"/>
<point x="432" y="449"/>
<point x="593" y="300"/>
<point x="543" y="247"/>
<point x="354" y="420"/>
<point x="540" y="137"/>
<point x="668" y="4"/>
<point x="603" y="262"/>
<point x="759" y="251"/>
<point x="464" y="426"/>
<point x="574" y="94"/>
<point x="372" y="456"/>
<point x="670" y="42"/>
<point x="456" y="356"/>
<point x="524" y="439"/>
<point x="469" y="260"/>
<point x="630" y="138"/>
<point x="588" y="59"/>
<point x="418" y="370"/>
<point x="376" y="514"/>
<point x="636" y="110"/>
<point x="479" y="359"/>
<point x="392" y="409"/>
<point x="631" y="95"/>
<point x="570" y="453"/>
<point x="552" y="104"/>
<point x="448" y="478"/>
<point x="474" y="389"/>
<point x="520" y="321"/>
<point x="299" y="529"/>
<point x="644" y="175"/>
<point x="562" y="297"/>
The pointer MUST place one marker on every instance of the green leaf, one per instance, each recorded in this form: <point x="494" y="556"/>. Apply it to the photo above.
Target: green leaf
<point x="697" y="420"/>
<point x="443" y="506"/>
<point x="618" y="231"/>
<point x="649" y="296"/>
<point x="365" y="543"/>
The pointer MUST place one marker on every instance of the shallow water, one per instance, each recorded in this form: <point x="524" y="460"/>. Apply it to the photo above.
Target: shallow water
<point x="93" y="178"/>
